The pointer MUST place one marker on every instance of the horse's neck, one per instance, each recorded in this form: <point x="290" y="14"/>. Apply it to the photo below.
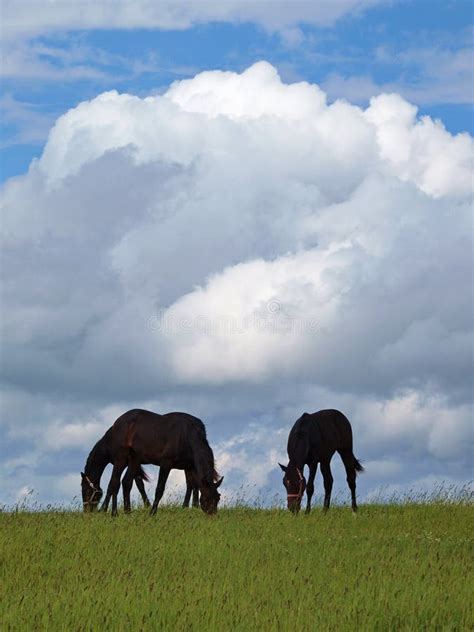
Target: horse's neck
<point x="203" y="461"/>
<point x="96" y="463"/>
<point x="298" y="451"/>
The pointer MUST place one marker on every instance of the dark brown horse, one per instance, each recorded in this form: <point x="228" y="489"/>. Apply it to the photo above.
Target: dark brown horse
<point x="171" y="441"/>
<point x="314" y="439"/>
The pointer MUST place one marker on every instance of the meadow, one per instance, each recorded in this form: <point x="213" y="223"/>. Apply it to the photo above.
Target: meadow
<point x="392" y="567"/>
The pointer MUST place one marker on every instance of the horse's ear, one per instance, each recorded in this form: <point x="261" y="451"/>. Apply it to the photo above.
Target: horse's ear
<point x="218" y="484"/>
<point x="282" y="467"/>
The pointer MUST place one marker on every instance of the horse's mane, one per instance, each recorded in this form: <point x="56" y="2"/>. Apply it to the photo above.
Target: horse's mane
<point x="297" y="442"/>
<point x="200" y="426"/>
<point x="98" y="453"/>
<point x="300" y="426"/>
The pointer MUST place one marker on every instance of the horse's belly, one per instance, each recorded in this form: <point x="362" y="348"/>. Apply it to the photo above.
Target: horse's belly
<point x="163" y="453"/>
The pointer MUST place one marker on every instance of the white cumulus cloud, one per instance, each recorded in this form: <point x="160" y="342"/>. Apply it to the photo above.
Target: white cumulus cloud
<point x="238" y="231"/>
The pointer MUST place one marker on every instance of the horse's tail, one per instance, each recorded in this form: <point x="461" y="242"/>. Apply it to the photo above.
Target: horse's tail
<point x="357" y="465"/>
<point x="142" y="474"/>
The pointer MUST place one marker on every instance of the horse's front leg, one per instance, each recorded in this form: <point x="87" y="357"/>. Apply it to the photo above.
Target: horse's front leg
<point x="160" y="488"/>
<point x="189" y="488"/>
<point x="195" y="496"/>
<point x="310" y="486"/>
<point x="105" y="504"/>
<point x="114" y="484"/>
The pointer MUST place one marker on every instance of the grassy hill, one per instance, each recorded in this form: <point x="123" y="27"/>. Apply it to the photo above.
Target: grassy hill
<point x="393" y="567"/>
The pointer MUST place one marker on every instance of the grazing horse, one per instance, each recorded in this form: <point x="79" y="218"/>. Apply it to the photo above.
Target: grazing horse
<point x="314" y="439"/>
<point x="171" y="441"/>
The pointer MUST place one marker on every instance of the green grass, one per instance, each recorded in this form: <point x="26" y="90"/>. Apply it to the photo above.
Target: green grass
<point x="393" y="567"/>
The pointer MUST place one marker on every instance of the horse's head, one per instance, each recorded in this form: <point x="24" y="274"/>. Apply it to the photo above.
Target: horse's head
<point x="295" y="484"/>
<point x="91" y="493"/>
<point x="210" y="496"/>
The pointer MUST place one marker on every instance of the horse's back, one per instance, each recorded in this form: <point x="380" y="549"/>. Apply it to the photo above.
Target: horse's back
<point x="330" y="429"/>
<point x="122" y="424"/>
<point x="331" y="416"/>
<point x="156" y="437"/>
<point x="186" y="418"/>
<point x="140" y="416"/>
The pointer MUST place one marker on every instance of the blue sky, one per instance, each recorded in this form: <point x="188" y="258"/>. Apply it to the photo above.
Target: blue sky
<point x="420" y="49"/>
<point x="291" y="235"/>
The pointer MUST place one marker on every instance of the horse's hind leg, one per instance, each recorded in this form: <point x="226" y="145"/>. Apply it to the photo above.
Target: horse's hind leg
<point x="141" y="488"/>
<point x="160" y="488"/>
<point x="310" y="486"/>
<point x="328" y="481"/>
<point x="348" y="460"/>
<point x="127" y="483"/>
<point x="135" y="473"/>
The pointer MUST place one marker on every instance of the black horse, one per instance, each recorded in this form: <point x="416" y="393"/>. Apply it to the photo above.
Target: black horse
<point x="172" y="441"/>
<point x="314" y="439"/>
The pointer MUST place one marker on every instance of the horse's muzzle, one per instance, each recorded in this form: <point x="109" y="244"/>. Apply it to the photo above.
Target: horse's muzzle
<point x="294" y="505"/>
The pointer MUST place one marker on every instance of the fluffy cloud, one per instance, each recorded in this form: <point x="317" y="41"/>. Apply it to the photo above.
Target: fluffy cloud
<point x="242" y="247"/>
